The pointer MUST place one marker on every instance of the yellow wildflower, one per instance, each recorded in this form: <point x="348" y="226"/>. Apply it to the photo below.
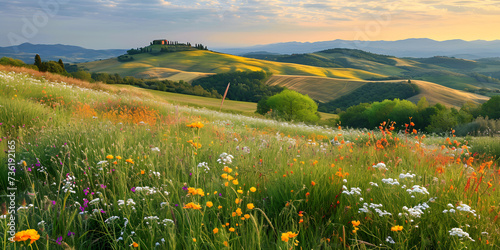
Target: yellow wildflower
<point x="30" y="234"/>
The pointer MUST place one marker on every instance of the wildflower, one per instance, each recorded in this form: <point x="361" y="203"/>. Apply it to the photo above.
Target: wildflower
<point x="235" y="182"/>
<point x="129" y="160"/>
<point x="195" y="125"/>
<point x="219" y="207"/>
<point x="192" y="205"/>
<point x="397" y="228"/>
<point x="237" y="200"/>
<point x="142" y="172"/>
<point x="231" y="229"/>
<point x="225" y="158"/>
<point x="460" y="233"/>
<point x="118" y="157"/>
<point x="250" y="206"/>
<point x="196" y="191"/>
<point x="209" y="204"/>
<point x="216" y="230"/>
<point x="355" y="223"/>
<point x="240" y="191"/>
<point x="238" y="211"/>
<point x="313" y="183"/>
<point x="390" y="240"/>
<point x="109" y="157"/>
<point x="247" y="216"/>
<point x="30" y="234"/>
<point x="253" y="189"/>
<point x="286" y="236"/>
<point x="194" y="239"/>
<point x="226" y="244"/>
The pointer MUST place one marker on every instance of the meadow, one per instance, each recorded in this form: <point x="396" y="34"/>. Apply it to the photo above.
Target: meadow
<point x="107" y="167"/>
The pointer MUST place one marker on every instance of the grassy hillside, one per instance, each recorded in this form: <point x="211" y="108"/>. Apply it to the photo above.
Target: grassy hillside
<point x="436" y="93"/>
<point x="199" y="62"/>
<point x="328" y="89"/>
<point x="246" y="108"/>
<point x="345" y="58"/>
<point x="450" y="72"/>
<point x="319" y="88"/>
<point x="104" y="167"/>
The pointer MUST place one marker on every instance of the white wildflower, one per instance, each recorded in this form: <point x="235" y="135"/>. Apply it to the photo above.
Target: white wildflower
<point x="460" y="233"/>
<point x="390" y="240"/>
<point x="417" y="189"/>
<point x="390" y="181"/>
<point x="407" y="175"/>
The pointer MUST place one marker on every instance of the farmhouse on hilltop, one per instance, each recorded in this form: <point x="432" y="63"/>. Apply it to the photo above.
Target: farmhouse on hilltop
<point x="161" y="42"/>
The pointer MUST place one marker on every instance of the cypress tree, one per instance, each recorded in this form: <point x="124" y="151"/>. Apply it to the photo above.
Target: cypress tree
<point x="61" y="63"/>
<point x="38" y="61"/>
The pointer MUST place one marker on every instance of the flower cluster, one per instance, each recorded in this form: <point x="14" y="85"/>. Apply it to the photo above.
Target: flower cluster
<point x="390" y="181"/>
<point x="460" y="233"/>
<point x="225" y="158"/>
<point x="196" y="125"/>
<point x="204" y="166"/>
<point x="287" y="236"/>
<point x="30" y="234"/>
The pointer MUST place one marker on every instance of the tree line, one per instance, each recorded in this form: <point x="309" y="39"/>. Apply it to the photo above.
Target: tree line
<point x="436" y="118"/>
<point x="371" y="92"/>
<point x="249" y="86"/>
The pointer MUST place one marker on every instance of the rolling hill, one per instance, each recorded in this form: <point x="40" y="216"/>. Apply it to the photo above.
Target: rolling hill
<point x="413" y="47"/>
<point x="328" y="89"/>
<point x="198" y="63"/>
<point x="451" y="72"/>
<point x="325" y="76"/>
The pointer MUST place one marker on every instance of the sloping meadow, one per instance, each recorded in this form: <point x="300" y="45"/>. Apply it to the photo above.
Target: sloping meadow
<point x="111" y="170"/>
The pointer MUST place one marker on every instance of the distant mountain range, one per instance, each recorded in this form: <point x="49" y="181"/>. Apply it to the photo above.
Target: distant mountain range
<point x="415" y="47"/>
<point x="68" y="53"/>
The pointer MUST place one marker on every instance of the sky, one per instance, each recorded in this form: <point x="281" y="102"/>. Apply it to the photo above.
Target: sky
<point x="123" y="24"/>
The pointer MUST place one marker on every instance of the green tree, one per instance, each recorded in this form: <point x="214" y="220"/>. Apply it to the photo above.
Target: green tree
<point x="443" y="121"/>
<point x="52" y="67"/>
<point x="379" y="112"/>
<point x="82" y="75"/>
<point x="291" y="105"/>
<point x="402" y="111"/>
<point x="355" y="116"/>
<point x="262" y="106"/>
<point x="61" y="63"/>
<point x="491" y="108"/>
<point x="422" y="104"/>
<point x="38" y="60"/>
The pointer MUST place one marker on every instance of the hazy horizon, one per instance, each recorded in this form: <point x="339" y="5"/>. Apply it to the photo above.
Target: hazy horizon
<point x="106" y="24"/>
<point x="243" y="46"/>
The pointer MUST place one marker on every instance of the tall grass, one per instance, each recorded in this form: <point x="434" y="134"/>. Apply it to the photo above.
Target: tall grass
<point x="301" y="179"/>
